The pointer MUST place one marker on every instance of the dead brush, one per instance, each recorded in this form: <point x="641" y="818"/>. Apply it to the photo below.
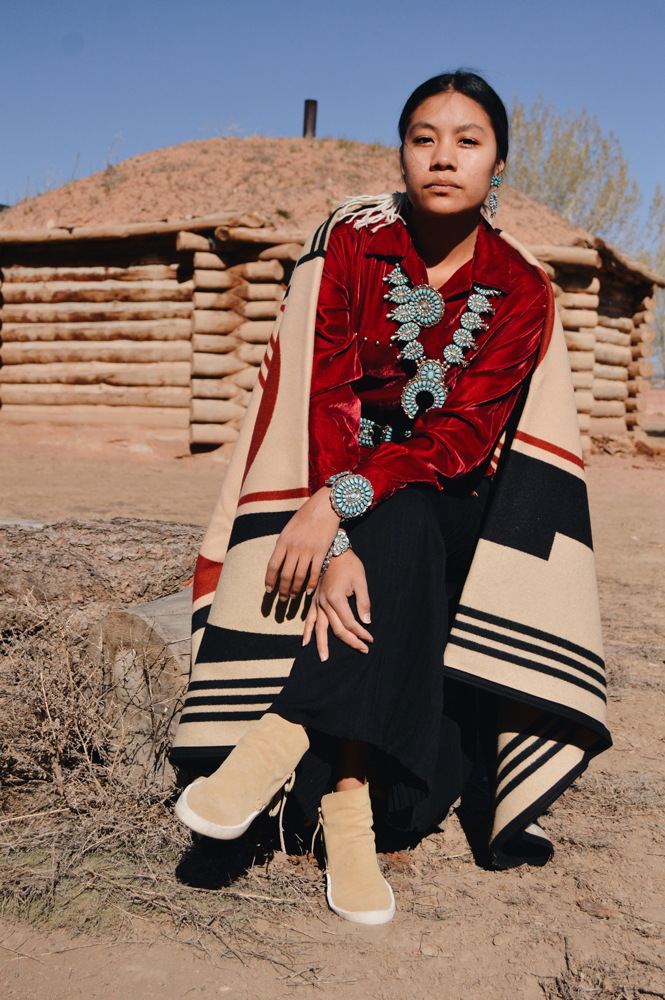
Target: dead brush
<point x="601" y="980"/>
<point x="593" y="984"/>
<point x="87" y="832"/>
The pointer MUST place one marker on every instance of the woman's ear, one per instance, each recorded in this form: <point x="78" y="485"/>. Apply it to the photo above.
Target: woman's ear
<point x="499" y="167"/>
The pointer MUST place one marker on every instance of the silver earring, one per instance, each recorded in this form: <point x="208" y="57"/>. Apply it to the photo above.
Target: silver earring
<point x="495" y="183"/>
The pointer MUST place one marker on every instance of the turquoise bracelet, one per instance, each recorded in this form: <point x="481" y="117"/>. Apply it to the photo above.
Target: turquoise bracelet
<point x="340" y="545"/>
<point x="350" y="494"/>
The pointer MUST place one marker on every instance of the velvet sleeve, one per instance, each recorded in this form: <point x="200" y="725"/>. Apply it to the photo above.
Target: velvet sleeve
<point x="451" y="442"/>
<point x="334" y="411"/>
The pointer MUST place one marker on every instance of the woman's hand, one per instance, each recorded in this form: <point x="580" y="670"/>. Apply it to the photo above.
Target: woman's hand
<point x="330" y="605"/>
<point x="302" y="547"/>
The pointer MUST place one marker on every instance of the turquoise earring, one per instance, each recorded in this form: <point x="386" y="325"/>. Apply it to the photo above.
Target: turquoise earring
<point x="494" y="197"/>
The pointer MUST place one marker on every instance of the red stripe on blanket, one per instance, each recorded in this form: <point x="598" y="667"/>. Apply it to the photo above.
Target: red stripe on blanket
<point x="262" y="381"/>
<point x="553" y="448"/>
<point x="301" y="491"/>
<point x="264" y="416"/>
<point x="206" y="576"/>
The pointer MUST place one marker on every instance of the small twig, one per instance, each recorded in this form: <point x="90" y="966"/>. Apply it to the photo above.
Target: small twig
<point x="48" y="812"/>
<point x="288" y="926"/>
<point x="80" y="947"/>
<point x="20" y="954"/>
<point x="647" y="961"/>
<point x="220" y="937"/>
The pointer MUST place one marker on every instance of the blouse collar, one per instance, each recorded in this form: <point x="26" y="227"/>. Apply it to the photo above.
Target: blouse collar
<point x="490" y="266"/>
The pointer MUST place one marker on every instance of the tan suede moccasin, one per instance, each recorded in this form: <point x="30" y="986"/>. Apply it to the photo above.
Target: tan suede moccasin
<point x="357" y="891"/>
<point x="224" y="805"/>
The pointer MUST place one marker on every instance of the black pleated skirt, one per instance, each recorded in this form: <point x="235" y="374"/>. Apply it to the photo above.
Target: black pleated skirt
<point x="416" y="548"/>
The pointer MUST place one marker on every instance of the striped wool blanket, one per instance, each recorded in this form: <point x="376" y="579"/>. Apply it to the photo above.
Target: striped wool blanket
<point x="528" y="626"/>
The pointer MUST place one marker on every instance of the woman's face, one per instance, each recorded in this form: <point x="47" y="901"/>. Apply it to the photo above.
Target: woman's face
<point x="449" y="155"/>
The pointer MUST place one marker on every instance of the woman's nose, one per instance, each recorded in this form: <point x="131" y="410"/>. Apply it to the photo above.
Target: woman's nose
<point x="444" y="158"/>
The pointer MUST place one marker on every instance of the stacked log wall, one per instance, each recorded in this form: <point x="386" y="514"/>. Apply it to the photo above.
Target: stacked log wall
<point x="605" y="318"/>
<point x="238" y="291"/>
<point x="96" y="344"/>
<point x="180" y="344"/>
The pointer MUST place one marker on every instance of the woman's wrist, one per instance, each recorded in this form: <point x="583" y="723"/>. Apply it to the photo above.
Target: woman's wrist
<point x="351" y="494"/>
<point x="340" y="545"/>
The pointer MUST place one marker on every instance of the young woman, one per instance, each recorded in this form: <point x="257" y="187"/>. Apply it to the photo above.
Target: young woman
<point x="428" y="327"/>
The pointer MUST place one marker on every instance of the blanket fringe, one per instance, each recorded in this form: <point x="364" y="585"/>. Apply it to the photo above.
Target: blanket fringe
<point x="374" y="210"/>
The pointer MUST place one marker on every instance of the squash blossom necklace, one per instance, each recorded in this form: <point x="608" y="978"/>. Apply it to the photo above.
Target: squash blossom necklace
<point x="423" y="306"/>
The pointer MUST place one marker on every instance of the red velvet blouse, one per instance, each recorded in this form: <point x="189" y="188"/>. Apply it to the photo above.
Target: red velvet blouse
<point x="356" y="370"/>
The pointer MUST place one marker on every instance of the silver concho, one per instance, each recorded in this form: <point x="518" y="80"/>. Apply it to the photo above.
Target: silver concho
<point x="428" y="306"/>
<point x="472" y="321"/>
<point x="412" y="351"/>
<point x="454" y="355"/>
<point x="407" y="331"/>
<point x="423" y="306"/>
<point x="463" y="339"/>
<point x="479" y="303"/>
<point x="400" y="293"/>
<point x="429" y="378"/>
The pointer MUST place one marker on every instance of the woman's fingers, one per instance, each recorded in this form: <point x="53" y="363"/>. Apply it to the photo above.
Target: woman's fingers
<point x="338" y="604"/>
<point x="362" y="599"/>
<point x="347" y="635"/>
<point x="289" y="568"/>
<point x="287" y="574"/>
<point x="310" y="622"/>
<point x="274" y="563"/>
<point x="315" y="573"/>
<point x="322" y="633"/>
<point x="302" y="573"/>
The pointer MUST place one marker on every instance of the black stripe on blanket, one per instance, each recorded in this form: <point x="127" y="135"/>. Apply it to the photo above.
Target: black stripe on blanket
<point x="238" y="682"/>
<point x="319" y="240"/>
<point x="200" y="616"/>
<point x="533" y="743"/>
<point x="229" y="699"/>
<point x="509" y="657"/>
<point x="538" y="805"/>
<point x="530" y="647"/>
<point x="537" y="500"/>
<point x="223" y="716"/>
<point x="535" y="728"/>
<point x="224" y="644"/>
<point x="566" y="733"/>
<point x="248" y="526"/>
<point x="534" y="633"/>
<point x="552" y="751"/>
<point x="237" y="702"/>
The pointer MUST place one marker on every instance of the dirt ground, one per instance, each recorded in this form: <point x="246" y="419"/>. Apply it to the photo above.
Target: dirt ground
<point x="590" y="924"/>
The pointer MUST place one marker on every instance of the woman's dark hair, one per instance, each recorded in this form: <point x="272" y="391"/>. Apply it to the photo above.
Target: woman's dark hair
<point x="471" y="85"/>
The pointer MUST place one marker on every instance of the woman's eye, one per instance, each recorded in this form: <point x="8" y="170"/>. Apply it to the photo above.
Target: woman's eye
<point x="420" y="140"/>
<point x="467" y="141"/>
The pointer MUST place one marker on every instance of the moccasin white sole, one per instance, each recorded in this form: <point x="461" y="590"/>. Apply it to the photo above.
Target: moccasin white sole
<point x="362" y="916"/>
<point x="189" y="818"/>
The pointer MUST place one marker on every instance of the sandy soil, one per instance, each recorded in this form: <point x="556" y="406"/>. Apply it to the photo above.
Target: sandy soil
<point x="53" y="472"/>
<point x="290" y="181"/>
<point x="594" y="917"/>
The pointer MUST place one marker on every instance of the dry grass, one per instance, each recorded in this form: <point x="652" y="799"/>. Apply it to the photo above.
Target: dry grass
<point x="87" y="835"/>
<point x="601" y="980"/>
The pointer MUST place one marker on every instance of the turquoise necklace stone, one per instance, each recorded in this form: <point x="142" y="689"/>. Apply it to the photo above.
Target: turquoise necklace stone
<point x="422" y="306"/>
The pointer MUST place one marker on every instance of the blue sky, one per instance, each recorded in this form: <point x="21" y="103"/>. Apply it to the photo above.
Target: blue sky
<point x="76" y="74"/>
